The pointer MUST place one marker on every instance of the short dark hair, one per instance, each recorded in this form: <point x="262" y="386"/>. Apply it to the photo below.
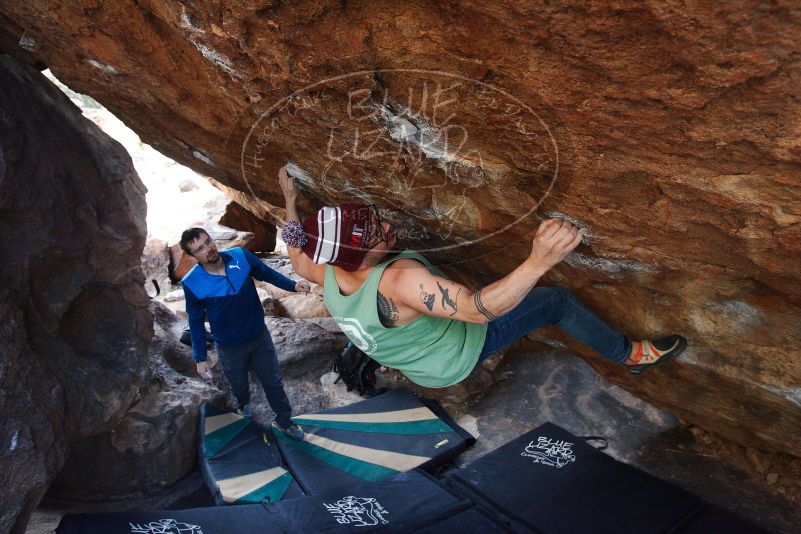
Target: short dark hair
<point x="190" y="235"/>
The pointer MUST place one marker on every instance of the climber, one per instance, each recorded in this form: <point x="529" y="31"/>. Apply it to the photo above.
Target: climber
<point x="220" y="287"/>
<point x="405" y="314"/>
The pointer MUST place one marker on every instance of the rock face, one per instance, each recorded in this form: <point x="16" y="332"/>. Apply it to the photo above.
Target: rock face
<point x="263" y="234"/>
<point x="156" y="266"/>
<point x="668" y="132"/>
<point x="165" y="345"/>
<point x="74" y="318"/>
<point x="155" y="444"/>
<point x="305" y="349"/>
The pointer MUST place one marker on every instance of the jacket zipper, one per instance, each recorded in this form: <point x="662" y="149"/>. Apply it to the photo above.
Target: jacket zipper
<point x="225" y="272"/>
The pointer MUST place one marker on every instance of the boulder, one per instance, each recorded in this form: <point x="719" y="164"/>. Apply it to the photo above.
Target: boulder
<point x="156" y="266"/>
<point x="263" y="239"/>
<point x="176" y="295"/>
<point x="665" y="130"/>
<point x="303" y="306"/>
<point x="305" y="349"/>
<point x="180" y="263"/>
<point x="272" y="306"/>
<point x="272" y="291"/>
<point x="455" y="397"/>
<point x="187" y="185"/>
<point x="153" y="447"/>
<point x="165" y="344"/>
<point x="327" y="323"/>
<point x="155" y="444"/>
<point x="74" y="320"/>
<point x="178" y="307"/>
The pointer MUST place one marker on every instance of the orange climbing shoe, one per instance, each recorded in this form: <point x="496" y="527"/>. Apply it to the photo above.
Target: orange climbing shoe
<point x="648" y="353"/>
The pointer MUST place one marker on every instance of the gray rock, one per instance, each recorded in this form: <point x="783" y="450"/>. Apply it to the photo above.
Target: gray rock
<point x="154" y="445"/>
<point x="156" y="266"/>
<point x="152" y="448"/>
<point x="74" y="319"/>
<point x="303" y="306"/>
<point x="328" y="323"/>
<point x="165" y="343"/>
<point x="304" y="348"/>
<point x="187" y="185"/>
<point x="176" y="295"/>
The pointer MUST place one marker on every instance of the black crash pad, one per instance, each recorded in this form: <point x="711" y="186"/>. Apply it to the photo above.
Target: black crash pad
<point x="406" y="502"/>
<point x="245" y="519"/>
<point x="550" y="481"/>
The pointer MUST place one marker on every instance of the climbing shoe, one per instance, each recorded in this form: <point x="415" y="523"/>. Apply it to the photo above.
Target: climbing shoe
<point x="293" y="431"/>
<point x="647" y="353"/>
<point x="245" y="411"/>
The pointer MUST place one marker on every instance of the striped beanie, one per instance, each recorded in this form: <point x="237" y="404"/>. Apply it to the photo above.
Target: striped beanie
<point x="337" y="234"/>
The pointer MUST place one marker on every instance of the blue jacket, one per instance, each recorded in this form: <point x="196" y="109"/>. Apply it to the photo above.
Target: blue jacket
<point x="230" y="302"/>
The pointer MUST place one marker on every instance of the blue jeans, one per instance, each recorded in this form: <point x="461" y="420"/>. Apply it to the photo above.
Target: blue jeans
<point x="555" y="305"/>
<point x="260" y="356"/>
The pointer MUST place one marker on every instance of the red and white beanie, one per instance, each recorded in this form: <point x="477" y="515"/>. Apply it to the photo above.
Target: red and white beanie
<point x="337" y="234"/>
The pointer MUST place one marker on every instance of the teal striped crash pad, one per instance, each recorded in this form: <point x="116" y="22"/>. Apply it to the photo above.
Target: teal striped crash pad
<point x="241" y="461"/>
<point x="371" y="440"/>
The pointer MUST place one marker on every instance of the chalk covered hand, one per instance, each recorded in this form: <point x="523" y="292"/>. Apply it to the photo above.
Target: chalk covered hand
<point x="554" y="240"/>
<point x="287" y="184"/>
<point x="303" y="286"/>
<point x="204" y="370"/>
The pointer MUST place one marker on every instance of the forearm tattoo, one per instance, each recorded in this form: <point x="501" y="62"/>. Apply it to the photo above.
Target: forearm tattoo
<point x="446" y="299"/>
<point x="480" y="306"/>
<point x="387" y="311"/>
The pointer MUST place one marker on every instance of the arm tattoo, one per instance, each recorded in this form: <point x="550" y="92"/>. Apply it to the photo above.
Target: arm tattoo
<point x="427" y="298"/>
<point x="387" y="311"/>
<point x="446" y="299"/>
<point x="480" y="306"/>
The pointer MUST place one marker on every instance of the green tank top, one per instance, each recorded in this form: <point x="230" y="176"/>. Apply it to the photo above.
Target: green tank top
<point x="433" y="352"/>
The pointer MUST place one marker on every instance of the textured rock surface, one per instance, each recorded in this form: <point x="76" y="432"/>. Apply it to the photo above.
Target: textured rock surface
<point x="156" y="266"/>
<point x="263" y="239"/>
<point x="453" y="397"/>
<point x="301" y="306"/>
<point x="667" y="131"/>
<point x="165" y="345"/>
<point x="305" y="349"/>
<point x="155" y="445"/>
<point x="74" y="315"/>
